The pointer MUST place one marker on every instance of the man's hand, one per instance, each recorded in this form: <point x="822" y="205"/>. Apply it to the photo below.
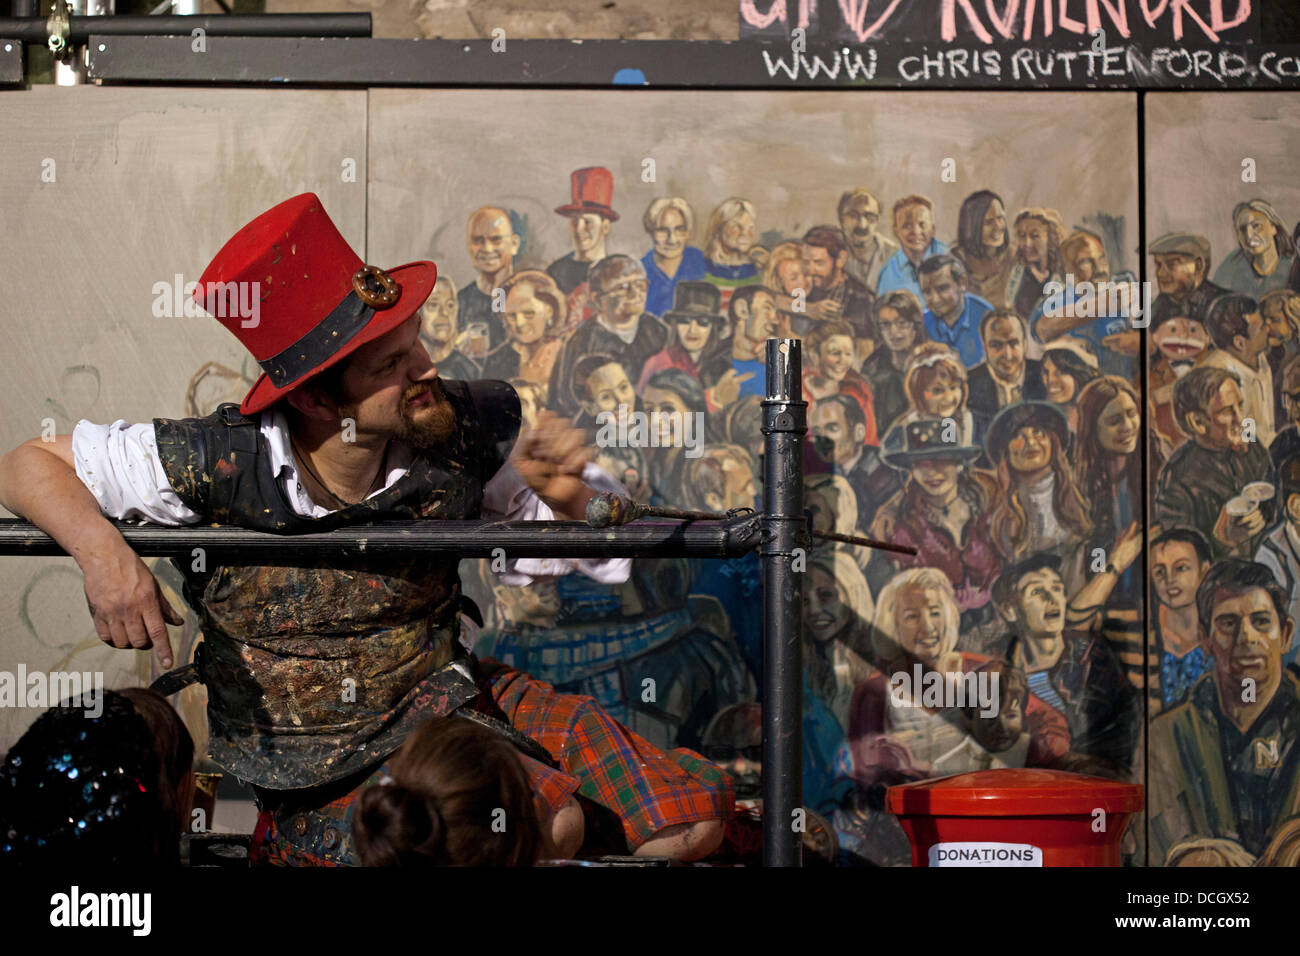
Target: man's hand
<point x="1128" y="342"/>
<point x="550" y="457"/>
<point x="1235" y="531"/>
<point x="128" y="605"/>
<point x="825" y="310"/>
<point x="727" y="388"/>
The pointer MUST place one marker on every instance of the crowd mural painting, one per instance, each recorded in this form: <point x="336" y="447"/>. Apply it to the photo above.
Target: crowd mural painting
<point x="948" y="411"/>
<point x="1222" y="403"/>
<point x="970" y="396"/>
<point x="974" y="393"/>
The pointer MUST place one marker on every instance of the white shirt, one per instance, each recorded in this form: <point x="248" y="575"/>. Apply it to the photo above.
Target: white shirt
<point x="1009" y="393"/>
<point x="119" y="463"/>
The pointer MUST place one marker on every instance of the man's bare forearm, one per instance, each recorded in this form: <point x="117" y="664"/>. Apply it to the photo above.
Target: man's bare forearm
<point x="41" y="487"/>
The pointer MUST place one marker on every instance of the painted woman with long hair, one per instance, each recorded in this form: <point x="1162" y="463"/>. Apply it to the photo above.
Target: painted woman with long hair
<point x="731" y="259"/>
<point x="1039" y="232"/>
<point x="1039" y="507"/>
<point x="1068" y="365"/>
<point x="984" y="245"/>
<point x="1109" y="462"/>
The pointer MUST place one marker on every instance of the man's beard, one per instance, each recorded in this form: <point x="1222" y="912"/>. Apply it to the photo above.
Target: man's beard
<point x="436" y="424"/>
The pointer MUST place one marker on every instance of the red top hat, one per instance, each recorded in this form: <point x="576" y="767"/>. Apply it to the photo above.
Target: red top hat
<point x="314" y="302"/>
<point x="593" y="191"/>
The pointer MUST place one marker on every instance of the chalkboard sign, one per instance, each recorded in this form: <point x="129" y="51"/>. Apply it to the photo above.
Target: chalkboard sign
<point x="1043" y="23"/>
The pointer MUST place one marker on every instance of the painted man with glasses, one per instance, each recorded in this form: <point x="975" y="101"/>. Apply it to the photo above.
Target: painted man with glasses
<point x="622" y="327"/>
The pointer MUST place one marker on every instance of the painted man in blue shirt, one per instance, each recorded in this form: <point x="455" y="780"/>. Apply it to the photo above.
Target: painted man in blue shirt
<point x="914" y="227"/>
<point x="952" y="315"/>
<point x="1083" y="257"/>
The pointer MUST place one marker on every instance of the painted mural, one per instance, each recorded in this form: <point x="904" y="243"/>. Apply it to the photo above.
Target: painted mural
<point x="953" y="407"/>
<point x="1224" y="403"/>
<point x="971" y="361"/>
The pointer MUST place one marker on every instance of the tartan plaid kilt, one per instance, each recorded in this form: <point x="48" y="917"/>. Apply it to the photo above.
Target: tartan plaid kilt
<point x="602" y="763"/>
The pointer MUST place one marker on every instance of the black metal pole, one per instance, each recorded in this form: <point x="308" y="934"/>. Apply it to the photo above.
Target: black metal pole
<point x="467" y="539"/>
<point x="33" y="29"/>
<point x="784" y="531"/>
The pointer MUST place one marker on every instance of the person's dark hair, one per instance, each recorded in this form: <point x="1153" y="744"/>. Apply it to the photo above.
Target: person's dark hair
<point x="1237" y="577"/>
<point x="1004" y="586"/>
<point x="80" y="791"/>
<point x="853" y="414"/>
<point x="1068" y="363"/>
<point x="830" y="238"/>
<point x="944" y="260"/>
<point x="173" y="742"/>
<point x="1012" y="685"/>
<point x="1194" y="391"/>
<point x="1190" y="536"/>
<point x="582" y="370"/>
<point x="746" y="295"/>
<point x="905" y="303"/>
<point x="1096" y="479"/>
<point x="451" y="781"/>
<point x="970" y="223"/>
<point x="682" y="384"/>
<point x="1288" y="482"/>
<point x="1227" y="318"/>
<point x="995" y="314"/>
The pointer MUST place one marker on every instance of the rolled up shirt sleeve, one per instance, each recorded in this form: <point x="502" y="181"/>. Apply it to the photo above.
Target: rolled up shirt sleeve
<point x="119" y="464"/>
<point x="508" y="497"/>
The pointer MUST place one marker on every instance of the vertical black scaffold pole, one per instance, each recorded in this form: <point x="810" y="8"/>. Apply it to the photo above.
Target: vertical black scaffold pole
<point x="784" y="424"/>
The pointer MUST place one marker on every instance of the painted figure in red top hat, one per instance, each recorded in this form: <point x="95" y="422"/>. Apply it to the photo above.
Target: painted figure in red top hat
<point x="590" y="215"/>
<point x="316" y="673"/>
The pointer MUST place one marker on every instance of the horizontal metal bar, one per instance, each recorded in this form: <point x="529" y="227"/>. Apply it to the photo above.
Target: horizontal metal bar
<point x="467" y="539"/>
<point x="673" y="64"/>
<point x="36" y="30"/>
<point x="11" y="62"/>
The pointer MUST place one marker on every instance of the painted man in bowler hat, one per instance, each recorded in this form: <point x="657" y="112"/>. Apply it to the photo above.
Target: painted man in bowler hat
<point x="316" y="672"/>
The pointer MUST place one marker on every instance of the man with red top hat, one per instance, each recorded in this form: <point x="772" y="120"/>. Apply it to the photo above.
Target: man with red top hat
<point x="590" y="216"/>
<point x="316" y="673"/>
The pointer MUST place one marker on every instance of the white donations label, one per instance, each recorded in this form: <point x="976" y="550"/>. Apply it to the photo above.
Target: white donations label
<point x="985" y="854"/>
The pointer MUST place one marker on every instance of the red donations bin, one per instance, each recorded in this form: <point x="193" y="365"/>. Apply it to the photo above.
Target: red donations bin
<point x="1008" y="817"/>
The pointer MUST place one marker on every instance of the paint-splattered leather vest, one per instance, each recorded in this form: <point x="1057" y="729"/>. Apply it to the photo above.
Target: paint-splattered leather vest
<point x="315" y="670"/>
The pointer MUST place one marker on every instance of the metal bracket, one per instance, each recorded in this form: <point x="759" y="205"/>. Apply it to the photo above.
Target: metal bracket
<point x="59" y="28"/>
